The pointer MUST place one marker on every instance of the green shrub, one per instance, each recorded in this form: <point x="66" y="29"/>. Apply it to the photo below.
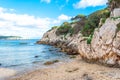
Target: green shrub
<point x="89" y="39"/>
<point x="54" y="27"/>
<point x="79" y="17"/>
<point x="93" y="20"/>
<point x="103" y="20"/>
<point x="86" y="30"/>
<point x="83" y="24"/>
<point x="118" y="27"/>
<point x="114" y="18"/>
<point x="64" y="29"/>
<point x="71" y="31"/>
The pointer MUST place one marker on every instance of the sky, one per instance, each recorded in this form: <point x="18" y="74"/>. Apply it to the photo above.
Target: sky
<point x="32" y="18"/>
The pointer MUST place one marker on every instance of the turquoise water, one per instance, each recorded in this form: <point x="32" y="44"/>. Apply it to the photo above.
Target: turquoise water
<point x="26" y="52"/>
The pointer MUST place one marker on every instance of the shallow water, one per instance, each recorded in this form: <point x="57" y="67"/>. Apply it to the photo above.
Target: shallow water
<point x="24" y="54"/>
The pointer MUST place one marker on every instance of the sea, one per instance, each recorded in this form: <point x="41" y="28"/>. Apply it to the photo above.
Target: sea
<point x="23" y="55"/>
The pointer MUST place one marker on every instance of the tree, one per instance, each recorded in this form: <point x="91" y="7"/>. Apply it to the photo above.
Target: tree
<point x="64" y="29"/>
<point x="93" y="20"/>
<point x="78" y="17"/>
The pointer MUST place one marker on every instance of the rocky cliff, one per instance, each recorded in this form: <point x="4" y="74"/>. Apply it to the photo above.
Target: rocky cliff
<point x="104" y="47"/>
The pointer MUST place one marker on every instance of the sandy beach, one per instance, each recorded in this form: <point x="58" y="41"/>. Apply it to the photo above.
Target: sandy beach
<point x="75" y="70"/>
<point x="5" y="73"/>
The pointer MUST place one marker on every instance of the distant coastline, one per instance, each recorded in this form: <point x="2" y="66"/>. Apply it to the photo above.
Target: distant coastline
<point x="10" y="37"/>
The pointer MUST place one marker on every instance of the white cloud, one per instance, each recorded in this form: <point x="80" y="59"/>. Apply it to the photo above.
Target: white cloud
<point x="47" y="1"/>
<point x="88" y="3"/>
<point x="63" y="17"/>
<point x="25" y="25"/>
<point x="5" y="9"/>
<point x="2" y="9"/>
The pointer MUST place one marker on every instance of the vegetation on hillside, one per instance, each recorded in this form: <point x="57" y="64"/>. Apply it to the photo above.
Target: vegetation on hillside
<point x="78" y="18"/>
<point x="118" y="27"/>
<point x="64" y="29"/>
<point x="93" y="21"/>
<point x="83" y="24"/>
<point x="87" y="24"/>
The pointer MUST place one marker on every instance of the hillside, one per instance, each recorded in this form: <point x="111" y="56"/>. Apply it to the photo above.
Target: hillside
<point x="96" y="38"/>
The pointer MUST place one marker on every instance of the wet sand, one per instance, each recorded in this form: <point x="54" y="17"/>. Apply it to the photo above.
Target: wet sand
<point x="75" y="70"/>
<point x="5" y="73"/>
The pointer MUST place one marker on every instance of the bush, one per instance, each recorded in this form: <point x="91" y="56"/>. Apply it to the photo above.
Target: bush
<point x="114" y="18"/>
<point x="93" y="20"/>
<point x="71" y="31"/>
<point x="64" y="29"/>
<point x="118" y="27"/>
<point x="54" y="27"/>
<point x="79" y="17"/>
<point x="83" y="24"/>
<point x="89" y="39"/>
<point x="103" y="20"/>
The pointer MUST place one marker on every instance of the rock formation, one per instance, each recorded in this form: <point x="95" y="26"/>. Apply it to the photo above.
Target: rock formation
<point x="104" y="47"/>
<point x="116" y="12"/>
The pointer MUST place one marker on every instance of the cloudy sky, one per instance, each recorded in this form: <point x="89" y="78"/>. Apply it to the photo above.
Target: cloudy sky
<point x="32" y="18"/>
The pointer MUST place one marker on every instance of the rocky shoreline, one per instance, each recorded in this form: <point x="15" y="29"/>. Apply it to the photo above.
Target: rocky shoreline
<point x="104" y="47"/>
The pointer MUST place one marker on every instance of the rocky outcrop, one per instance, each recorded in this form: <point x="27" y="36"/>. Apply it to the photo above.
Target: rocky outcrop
<point x="66" y="43"/>
<point x="104" y="47"/>
<point x="115" y="12"/>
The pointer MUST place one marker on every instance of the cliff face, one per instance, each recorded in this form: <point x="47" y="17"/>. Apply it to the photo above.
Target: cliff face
<point x="104" y="47"/>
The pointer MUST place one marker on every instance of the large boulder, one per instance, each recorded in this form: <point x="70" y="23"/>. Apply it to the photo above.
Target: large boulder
<point x="102" y="42"/>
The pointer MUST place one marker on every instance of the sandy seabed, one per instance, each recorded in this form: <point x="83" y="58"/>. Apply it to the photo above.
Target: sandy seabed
<point x="75" y="70"/>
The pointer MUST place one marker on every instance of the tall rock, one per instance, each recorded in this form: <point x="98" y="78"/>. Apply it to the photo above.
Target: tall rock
<point x="105" y="44"/>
